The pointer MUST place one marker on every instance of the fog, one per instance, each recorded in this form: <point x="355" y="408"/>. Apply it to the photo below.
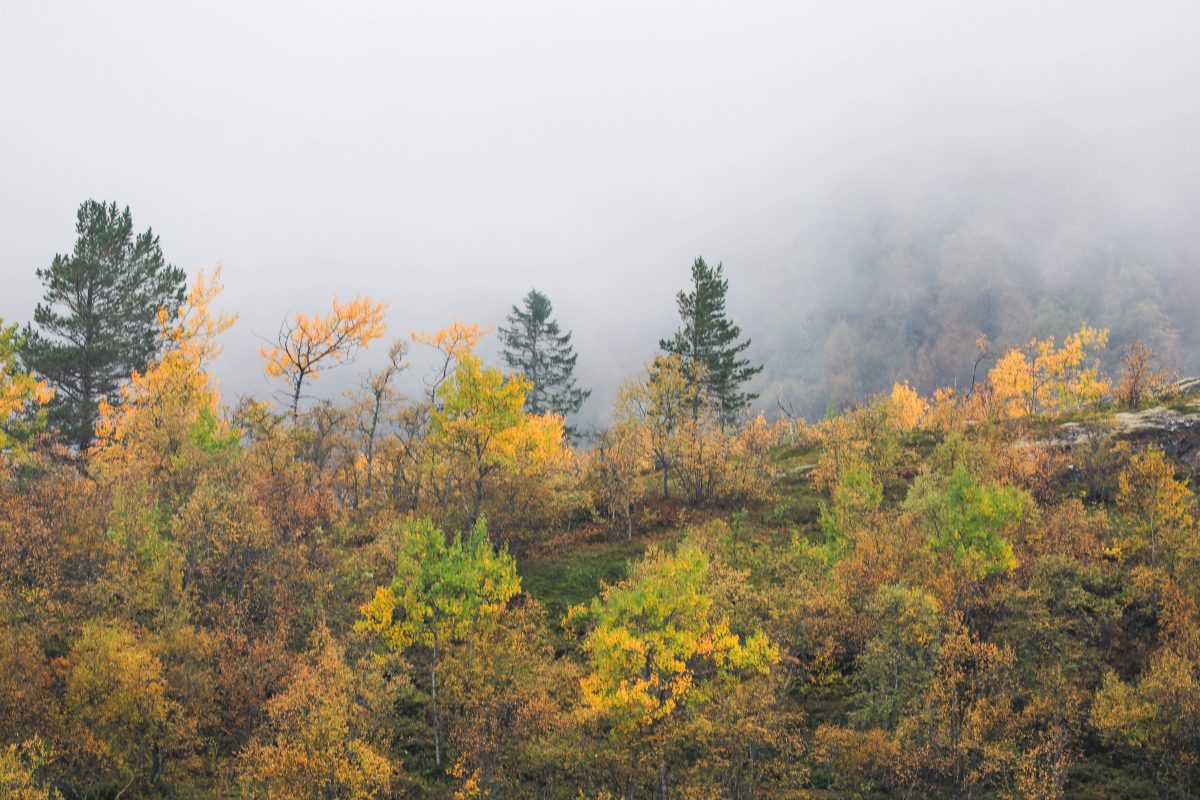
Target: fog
<point x="447" y="157"/>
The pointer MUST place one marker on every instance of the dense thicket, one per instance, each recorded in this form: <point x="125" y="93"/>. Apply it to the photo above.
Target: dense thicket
<point x="989" y="592"/>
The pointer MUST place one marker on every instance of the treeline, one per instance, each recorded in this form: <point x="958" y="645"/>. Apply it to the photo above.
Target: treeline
<point x="945" y="595"/>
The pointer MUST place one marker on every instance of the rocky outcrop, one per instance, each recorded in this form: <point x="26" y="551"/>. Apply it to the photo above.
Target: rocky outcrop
<point x="1175" y="429"/>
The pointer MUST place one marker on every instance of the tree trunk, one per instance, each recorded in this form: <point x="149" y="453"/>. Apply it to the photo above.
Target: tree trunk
<point x="296" y="398"/>
<point x="437" y="714"/>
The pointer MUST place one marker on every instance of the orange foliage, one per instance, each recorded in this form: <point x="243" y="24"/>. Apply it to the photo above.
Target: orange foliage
<point x="175" y="391"/>
<point x="1043" y="378"/>
<point x="309" y="343"/>
<point x="910" y="408"/>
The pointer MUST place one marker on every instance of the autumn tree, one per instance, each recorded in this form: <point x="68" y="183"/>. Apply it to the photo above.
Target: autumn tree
<point x="122" y="725"/>
<point x="96" y="323"/>
<point x="22" y="394"/>
<point x="377" y="403"/>
<point x="20" y="771"/>
<point x="159" y="408"/>
<point x="658" y="650"/>
<point x="1138" y="379"/>
<point x="479" y="420"/>
<point x="708" y="339"/>
<point x="1043" y="377"/>
<point x="307" y="345"/>
<point x="962" y="736"/>
<point x="896" y="665"/>
<point x="869" y="437"/>
<point x="684" y="436"/>
<point x="536" y="347"/>
<point x="1156" y="504"/>
<point x="660" y="401"/>
<point x="507" y="706"/>
<point x="910" y="408"/>
<point x="618" y="460"/>
<point x="478" y="427"/>
<point x="1155" y="717"/>
<point x="314" y="742"/>
<point x="442" y="593"/>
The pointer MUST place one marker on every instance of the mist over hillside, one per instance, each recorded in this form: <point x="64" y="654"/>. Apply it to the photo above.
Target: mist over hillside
<point x="882" y="183"/>
<point x="403" y="401"/>
<point x="900" y="285"/>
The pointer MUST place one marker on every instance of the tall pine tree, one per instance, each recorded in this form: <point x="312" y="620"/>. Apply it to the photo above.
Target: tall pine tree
<point x="536" y="347"/>
<point x="97" y="321"/>
<point x="708" y="340"/>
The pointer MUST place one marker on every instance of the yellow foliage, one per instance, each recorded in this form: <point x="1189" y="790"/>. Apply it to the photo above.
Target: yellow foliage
<point x="1043" y="378"/>
<point x="18" y="771"/>
<point x="312" y="744"/>
<point x="1157" y="505"/>
<point x="1011" y="382"/>
<point x="910" y="408"/>
<point x="175" y="391"/>
<point x="22" y="394"/>
<point x="478" y="425"/>
<point x="658" y="644"/>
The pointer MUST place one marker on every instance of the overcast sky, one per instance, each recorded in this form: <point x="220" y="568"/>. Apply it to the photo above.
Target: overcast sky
<point x="447" y="156"/>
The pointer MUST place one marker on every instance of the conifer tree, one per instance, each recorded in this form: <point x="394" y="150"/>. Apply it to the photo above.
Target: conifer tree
<point x="98" y="319"/>
<point x="709" y="340"/>
<point x="536" y="347"/>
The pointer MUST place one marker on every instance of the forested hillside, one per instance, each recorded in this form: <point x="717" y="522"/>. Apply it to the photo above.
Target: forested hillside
<point x="988" y="591"/>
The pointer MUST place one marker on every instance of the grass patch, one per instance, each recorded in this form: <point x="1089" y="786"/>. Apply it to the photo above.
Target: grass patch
<point x="803" y="454"/>
<point x="572" y="578"/>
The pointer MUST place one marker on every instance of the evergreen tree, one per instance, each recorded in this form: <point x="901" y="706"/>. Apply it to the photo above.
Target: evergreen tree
<point x="536" y="347"/>
<point x="708" y="341"/>
<point x="98" y="319"/>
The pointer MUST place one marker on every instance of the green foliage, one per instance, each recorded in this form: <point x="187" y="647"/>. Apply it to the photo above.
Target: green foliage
<point x="708" y="342"/>
<point x="441" y="595"/>
<point x="657" y="645"/>
<point x="215" y="440"/>
<point x="856" y="496"/>
<point x="967" y="518"/>
<point x="441" y="590"/>
<point x="98" y="320"/>
<point x="536" y="347"/>
<point x="896" y="665"/>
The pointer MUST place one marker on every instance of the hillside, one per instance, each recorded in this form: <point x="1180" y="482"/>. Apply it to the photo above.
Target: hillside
<point x="989" y="593"/>
<point x="767" y="532"/>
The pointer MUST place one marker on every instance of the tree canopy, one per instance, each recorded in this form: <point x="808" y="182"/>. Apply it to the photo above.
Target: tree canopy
<point x="708" y="341"/>
<point x="97" y="322"/>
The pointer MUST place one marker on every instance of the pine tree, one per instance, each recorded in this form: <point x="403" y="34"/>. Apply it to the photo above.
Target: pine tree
<point x="98" y="319"/>
<point x="536" y="347"/>
<point x="708" y="342"/>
